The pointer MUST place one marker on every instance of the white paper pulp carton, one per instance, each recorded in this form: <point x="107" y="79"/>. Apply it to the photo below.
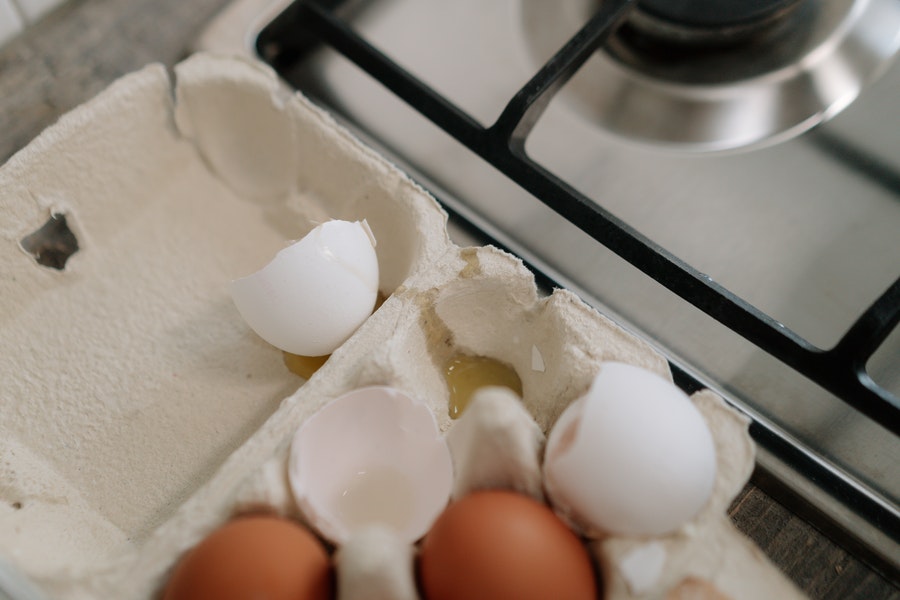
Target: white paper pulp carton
<point x="139" y="412"/>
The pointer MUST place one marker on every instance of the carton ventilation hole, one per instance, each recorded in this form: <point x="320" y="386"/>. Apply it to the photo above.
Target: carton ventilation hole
<point x="52" y="244"/>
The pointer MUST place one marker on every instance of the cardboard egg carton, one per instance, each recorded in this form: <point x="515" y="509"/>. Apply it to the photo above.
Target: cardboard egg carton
<point x="140" y="412"/>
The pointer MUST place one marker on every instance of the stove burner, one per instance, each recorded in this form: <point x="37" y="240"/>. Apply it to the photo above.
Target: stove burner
<point x="708" y="21"/>
<point x="762" y="75"/>
<point x="726" y="53"/>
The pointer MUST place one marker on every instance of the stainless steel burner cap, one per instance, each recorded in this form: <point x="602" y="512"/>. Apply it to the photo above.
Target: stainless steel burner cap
<point x="713" y="13"/>
<point x="803" y="70"/>
<point x="706" y="22"/>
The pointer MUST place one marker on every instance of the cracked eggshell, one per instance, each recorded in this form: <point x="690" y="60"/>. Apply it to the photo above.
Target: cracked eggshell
<point x="633" y="456"/>
<point x="316" y="292"/>
<point x="372" y="456"/>
<point x="708" y="548"/>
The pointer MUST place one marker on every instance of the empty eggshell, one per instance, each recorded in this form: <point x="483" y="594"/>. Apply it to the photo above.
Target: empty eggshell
<point x="316" y="292"/>
<point x="372" y="456"/>
<point x="633" y="456"/>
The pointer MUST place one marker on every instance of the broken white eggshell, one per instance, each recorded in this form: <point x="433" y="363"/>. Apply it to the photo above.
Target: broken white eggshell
<point x="707" y="557"/>
<point x="372" y="456"/>
<point x="634" y="456"/>
<point x="316" y="292"/>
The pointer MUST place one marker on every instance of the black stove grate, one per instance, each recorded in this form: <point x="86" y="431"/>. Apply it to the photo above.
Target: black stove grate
<point x="841" y="369"/>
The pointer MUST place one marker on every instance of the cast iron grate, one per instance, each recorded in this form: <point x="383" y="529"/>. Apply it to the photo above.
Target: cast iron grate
<point x="840" y="369"/>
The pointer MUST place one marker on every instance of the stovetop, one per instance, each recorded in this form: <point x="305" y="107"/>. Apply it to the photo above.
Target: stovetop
<point x="801" y="224"/>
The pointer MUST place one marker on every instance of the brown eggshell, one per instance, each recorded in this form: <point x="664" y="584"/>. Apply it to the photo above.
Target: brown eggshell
<point x="500" y="544"/>
<point x="254" y="557"/>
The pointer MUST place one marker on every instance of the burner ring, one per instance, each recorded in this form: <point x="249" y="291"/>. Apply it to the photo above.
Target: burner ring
<point x="713" y="13"/>
<point x="774" y="86"/>
<point x="708" y="22"/>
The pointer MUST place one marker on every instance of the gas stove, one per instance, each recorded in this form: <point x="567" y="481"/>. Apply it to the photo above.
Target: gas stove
<point x="723" y="182"/>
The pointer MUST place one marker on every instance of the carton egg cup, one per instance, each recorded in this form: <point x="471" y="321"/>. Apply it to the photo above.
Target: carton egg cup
<point x="140" y="412"/>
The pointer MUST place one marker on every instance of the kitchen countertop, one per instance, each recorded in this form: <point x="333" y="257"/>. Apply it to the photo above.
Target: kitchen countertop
<point x="80" y="48"/>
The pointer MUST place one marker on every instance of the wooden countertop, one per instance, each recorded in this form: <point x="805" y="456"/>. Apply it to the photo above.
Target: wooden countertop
<point x="80" y="48"/>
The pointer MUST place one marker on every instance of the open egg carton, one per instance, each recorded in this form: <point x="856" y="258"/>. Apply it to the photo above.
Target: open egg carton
<point x="140" y="412"/>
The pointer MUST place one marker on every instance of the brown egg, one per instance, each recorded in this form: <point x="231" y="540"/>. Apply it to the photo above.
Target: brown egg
<point x="254" y="557"/>
<point x="500" y="544"/>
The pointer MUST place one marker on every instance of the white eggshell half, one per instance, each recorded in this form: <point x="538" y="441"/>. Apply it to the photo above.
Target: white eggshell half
<point x="316" y="292"/>
<point x="633" y="456"/>
<point x="373" y="456"/>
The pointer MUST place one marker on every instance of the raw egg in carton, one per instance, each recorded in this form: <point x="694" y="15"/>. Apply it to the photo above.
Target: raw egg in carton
<point x="147" y="414"/>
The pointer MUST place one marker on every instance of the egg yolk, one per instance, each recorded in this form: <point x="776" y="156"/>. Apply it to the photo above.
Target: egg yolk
<point x="304" y="366"/>
<point x="465" y="374"/>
